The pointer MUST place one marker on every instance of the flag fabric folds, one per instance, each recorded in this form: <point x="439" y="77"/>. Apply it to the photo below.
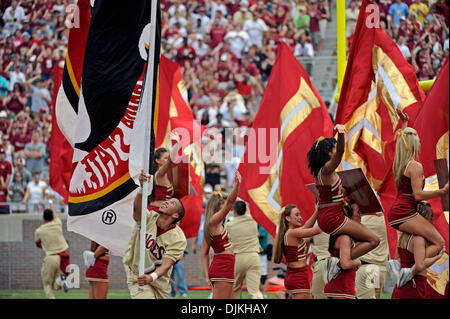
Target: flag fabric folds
<point x="102" y="191"/>
<point x="432" y="125"/>
<point x="274" y="168"/>
<point x="175" y="113"/>
<point x="65" y="103"/>
<point x="377" y="82"/>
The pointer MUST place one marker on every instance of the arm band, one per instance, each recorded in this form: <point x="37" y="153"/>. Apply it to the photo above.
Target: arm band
<point x="154" y="276"/>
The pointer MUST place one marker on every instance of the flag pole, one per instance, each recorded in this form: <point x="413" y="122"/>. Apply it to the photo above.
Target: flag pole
<point x="147" y="98"/>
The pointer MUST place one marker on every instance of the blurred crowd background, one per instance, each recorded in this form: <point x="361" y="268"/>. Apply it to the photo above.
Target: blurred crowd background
<point x="226" y="50"/>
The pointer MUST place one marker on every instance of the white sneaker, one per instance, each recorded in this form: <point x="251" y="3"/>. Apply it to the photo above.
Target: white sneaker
<point x="63" y="283"/>
<point x="393" y="268"/>
<point x="331" y="269"/>
<point x="88" y="257"/>
<point x="405" y="276"/>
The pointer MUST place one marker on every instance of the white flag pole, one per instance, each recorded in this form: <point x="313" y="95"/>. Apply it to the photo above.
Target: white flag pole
<point x="147" y="98"/>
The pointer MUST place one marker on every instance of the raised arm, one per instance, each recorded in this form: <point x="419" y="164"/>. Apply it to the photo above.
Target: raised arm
<point x="404" y="118"/>
<point x="336" y="158"/>
<point x="172" y="158"/>
<point x="137" y="206"/>
<point x="218" y="217"/>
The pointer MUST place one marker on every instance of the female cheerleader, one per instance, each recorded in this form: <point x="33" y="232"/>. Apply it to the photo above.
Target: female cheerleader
<point x="324" y="158"/>
<point x="290" y="243"/>
<point x="221" y="272"/>
<point x="403" y="215"/>
<point x="340" y="246"/>
<point x="97" y="274"/>
<point x="411" y="254"/>
<point x="163" y="160"/>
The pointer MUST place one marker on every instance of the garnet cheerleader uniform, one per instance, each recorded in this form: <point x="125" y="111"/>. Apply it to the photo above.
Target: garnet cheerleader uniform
<point x="330" y="217"/>
<point x="404" y="207"/>
<point x="296" y="280"/>
<point x="98" y="271"/>
<point x="417" y="288"/>
<point x="161" y="193"/>
<point x="343" y="286"/>
<point x="222" y="266"/>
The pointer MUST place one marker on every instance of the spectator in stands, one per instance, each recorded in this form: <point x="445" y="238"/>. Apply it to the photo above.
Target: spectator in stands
<point x="255" y="29"/>
<point x="5" y="175"/>
<point x="35" y="194"/>
<point x="20" y="137"/>
<point x="397" y="10"/>
<point x="14" y="12"/>
<point x="26" y="174"/>
<point x="302" y="21"/>
<point x="315" y="15"/>
<point x="17" y="99"/>
<point x="17" y="190"/>
<point x="323" y="21"/>
<point x="34" y="153"/>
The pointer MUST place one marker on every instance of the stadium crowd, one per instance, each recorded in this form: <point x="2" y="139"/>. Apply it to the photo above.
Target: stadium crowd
<point x="226" y="49"/>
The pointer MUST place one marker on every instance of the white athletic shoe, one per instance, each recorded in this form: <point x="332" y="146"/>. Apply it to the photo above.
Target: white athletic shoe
<point x="88" y="257"/>
<point x="63" y="283"/>
<point x="405" y="276"/>
<point x="331" y="269"/>
<point x="393" y="269"/>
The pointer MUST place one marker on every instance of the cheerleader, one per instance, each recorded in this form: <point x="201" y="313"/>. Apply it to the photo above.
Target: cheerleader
<point x="340" y="246"/>
<point x="324" y="158"/>
<point x="162" y="187"/>
<point x="290" y="243"/>
<point x="97" y="273"/>
<point x="411" y="254"/>
<point x="409" y="180"/>
<point x="221" y="271"/>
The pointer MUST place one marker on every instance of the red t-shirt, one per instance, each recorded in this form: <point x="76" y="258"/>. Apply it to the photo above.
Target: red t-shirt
<point x="314" y="21"/>
<point x="19" y="142"/>
<point x="5" y="169"/>
<point x="4" y="125"/>
<point x="243" y="88"/>
<point x="217" y="36"/>
<point x="186" y="54"/>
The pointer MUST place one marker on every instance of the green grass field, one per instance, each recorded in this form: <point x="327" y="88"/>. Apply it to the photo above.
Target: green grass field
<point x="112" y="294"/>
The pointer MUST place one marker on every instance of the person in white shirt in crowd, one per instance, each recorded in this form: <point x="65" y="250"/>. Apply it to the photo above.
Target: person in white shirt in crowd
<point x="178" y="18"/>
<point x="304" y="48"/>
<point x="15" y="76"/>
<point x="200" y="45"/>
<point x="255" y="29"/>
<point x="233" y="107"/>
<point x="404" y="49"/>
<point x="14" y="11"/>
<point x="238" y="39"/>
<point x="212" y="108"/>
<point x="216" y="6"/>
<point x="35" y="194"/>
<point x="177" y="7"/>
<point x="201" y="20"/>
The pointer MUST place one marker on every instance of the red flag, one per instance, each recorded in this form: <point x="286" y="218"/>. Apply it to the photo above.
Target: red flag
<point x="292" y="109"/>
<point x="66" y="94"/>
<point x="174" y="113"/>
<point x="433" y="128"/>
<point x="377" y="82"/>
<point x="61" y="152"/>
